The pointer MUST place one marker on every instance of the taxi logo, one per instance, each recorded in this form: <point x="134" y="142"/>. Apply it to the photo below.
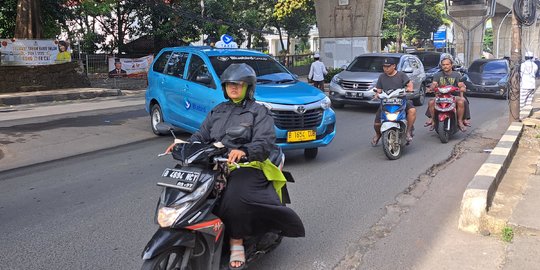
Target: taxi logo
<point x="187" y="104"/>
<point x="300" y="109"/>
<point x="226" y="39"/>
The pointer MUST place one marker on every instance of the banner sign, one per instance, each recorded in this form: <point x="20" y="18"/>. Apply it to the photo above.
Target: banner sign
<point x="129" y="67"/>
<point x="32" y="52"/>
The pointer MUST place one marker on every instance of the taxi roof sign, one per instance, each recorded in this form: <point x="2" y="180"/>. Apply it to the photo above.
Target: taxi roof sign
<point x="226" y="42"/>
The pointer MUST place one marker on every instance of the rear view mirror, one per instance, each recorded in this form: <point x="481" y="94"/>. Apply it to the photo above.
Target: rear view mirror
<point x="344" y="67"/>
<point x="408" y="70"/>
<point x="204" y="79"/>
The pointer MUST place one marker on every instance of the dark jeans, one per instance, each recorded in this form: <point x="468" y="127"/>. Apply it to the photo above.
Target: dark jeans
<point x="319" y="84"/>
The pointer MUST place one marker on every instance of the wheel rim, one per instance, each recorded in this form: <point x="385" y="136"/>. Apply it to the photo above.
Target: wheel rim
<point x="394" y="147"/>
<point x="422" y="94"/>
<point x="170" y="261"/>
<point x="156" y="118"/>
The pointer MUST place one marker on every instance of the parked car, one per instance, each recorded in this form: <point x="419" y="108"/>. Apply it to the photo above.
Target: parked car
<point x="354" y="85"/>
<point x="431" y="61"/>
<point x="488" y="77"/>
<point x="183" y="86"/>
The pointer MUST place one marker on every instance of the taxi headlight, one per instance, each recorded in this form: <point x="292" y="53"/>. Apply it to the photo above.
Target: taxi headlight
<point x="391" y="116"/>
<point x="265" y="104"/>
<point x="326" y="103"/>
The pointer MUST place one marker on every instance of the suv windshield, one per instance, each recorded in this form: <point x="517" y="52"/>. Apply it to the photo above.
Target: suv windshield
<point x="367" y="64"/>
<point x="430" y="60"/>
<point x="492" y="67"/>
<point x="264" y="67"/>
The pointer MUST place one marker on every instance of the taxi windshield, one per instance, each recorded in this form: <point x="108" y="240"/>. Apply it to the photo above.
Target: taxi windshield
<point x="266" y="68"/>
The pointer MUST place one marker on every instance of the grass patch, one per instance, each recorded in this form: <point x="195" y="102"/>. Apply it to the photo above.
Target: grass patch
<point x="507" y="234"/>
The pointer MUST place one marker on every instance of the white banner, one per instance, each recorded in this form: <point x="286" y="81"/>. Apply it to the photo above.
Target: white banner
<point x="32" y="52"/>
<point x="129" y="67"/>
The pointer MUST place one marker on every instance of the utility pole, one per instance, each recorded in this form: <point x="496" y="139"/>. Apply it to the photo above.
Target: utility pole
<point x="515" y="79"/>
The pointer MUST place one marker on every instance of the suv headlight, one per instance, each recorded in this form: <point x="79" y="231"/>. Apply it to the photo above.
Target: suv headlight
<point x="326" y="103"/>
<point x="336" y="79"/>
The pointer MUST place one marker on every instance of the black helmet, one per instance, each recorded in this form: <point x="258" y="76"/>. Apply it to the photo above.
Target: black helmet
<point x="236" y="73"/>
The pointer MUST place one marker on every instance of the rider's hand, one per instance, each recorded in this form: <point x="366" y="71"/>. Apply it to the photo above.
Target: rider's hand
<point x="235" y="155"/>
<point x="170" y="148"/>
<point x="376" y="96"/>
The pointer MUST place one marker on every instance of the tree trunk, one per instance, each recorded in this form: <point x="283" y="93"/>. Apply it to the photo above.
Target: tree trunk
<point x="280" y="38"/>
<point x="120" y="27"/>
<point x="28" y="23"/>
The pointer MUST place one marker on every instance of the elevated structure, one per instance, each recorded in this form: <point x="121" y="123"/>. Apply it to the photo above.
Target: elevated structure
<point x="348" y="28"/>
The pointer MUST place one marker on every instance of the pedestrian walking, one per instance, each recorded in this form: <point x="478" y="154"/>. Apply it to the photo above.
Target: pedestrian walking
<point x="528" y="71"/>
<point x="317" y="72"/>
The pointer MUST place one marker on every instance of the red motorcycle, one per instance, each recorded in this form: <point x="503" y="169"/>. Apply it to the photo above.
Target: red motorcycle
<point x="446" y="121"/>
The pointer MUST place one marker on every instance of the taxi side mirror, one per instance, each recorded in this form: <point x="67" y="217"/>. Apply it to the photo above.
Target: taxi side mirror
<point x="204" y="79"/>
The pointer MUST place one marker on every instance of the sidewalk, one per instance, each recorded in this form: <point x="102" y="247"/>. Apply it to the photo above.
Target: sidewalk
<point x="60" y="95"/>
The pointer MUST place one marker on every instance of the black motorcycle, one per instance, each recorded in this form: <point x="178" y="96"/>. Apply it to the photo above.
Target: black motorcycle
<point x="190" y="235"/>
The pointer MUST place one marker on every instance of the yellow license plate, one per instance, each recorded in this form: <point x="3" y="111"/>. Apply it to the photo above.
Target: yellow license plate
<point x="301" y="135"/>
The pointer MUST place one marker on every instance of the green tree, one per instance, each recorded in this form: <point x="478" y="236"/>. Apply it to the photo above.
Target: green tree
<point x="414" y="19"/>
<point x="488" y="40"/>
<point x="49" y="20"/>
<point x="296" y="17"/>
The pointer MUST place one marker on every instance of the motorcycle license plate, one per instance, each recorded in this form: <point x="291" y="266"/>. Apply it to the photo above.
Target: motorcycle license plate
<point x="301" y="135"/>
<point x="444" y="100"/>
<point x="185" y="180"/>
<point x="393" y="101"/>
<point x="354" y="94"/>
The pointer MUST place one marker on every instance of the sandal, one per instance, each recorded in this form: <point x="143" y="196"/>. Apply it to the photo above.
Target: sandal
<point x="375" y="141"/>
<point x="462" y="127"/>
<point x="237" y="255"/>
<point x="467" y="122"/>
<point x="428" y="123"/>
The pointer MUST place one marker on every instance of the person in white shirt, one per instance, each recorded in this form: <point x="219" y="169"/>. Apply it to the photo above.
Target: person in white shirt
<point x="528" y="71"/>
<point x="317" y="72"/>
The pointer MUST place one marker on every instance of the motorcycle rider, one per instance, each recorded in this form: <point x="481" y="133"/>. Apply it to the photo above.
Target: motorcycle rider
<point x="250" y="204"/>
<point x="447" y="76"/>
<point x="393" y="79"/>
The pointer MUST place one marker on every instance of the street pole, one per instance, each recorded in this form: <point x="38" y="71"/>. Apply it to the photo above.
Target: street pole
<point x="499" y="32"/>
<point x="515" y="59"/>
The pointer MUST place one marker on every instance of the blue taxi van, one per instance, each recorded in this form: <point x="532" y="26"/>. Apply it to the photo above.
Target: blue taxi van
<point x="183" y="86"/>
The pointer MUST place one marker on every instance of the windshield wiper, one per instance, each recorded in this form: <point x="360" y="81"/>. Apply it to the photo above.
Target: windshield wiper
<point x="285" y="81"/>
<point x="263" y="81"/>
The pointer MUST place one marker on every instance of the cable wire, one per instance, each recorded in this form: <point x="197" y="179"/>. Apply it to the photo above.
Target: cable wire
<point x="525" y="18"/>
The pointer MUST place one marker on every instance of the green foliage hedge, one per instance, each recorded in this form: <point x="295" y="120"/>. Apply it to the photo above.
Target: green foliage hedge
<point x="331" y="73"/>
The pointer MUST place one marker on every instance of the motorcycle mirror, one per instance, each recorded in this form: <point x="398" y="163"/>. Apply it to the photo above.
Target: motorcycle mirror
<point x="164" y="128"/>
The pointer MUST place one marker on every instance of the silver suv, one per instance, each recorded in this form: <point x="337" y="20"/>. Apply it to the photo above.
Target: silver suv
<point x="354" y="85"/>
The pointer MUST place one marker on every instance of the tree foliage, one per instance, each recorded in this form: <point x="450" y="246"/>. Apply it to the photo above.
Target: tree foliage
<point x="421" y="18"/>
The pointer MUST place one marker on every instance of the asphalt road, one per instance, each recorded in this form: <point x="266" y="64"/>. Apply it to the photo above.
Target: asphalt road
<point x="95" y="211"/>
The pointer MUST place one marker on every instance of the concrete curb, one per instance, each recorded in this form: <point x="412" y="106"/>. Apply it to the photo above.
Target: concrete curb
<point x="480" y="192"/>
<point x="56" y="95"/>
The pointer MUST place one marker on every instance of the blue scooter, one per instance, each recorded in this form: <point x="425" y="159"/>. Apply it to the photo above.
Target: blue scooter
<point x="394" y="122"/>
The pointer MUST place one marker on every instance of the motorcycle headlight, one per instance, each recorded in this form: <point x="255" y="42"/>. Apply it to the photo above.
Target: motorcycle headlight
<point x="391" y="116"/>
<point x="336" y="79"/>
<point x="167" y="215"/>
<point x="326" y="103"/>
<point x="265" y="104"/>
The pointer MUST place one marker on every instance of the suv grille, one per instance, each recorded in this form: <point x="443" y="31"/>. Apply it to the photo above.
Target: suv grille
<point x="293" y="120"/>
<point x="358" y="86"/>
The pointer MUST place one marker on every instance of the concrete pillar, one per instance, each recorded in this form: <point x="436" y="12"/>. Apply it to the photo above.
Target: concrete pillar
<point x="348" y="28"/>
<point x="476" y="37"/>
<point x="530" y="39"/>
<point x="502" y="34"/>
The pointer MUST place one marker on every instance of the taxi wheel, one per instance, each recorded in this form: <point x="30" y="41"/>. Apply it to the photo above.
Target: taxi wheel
<point x="311" y="153"/>
<point x="156" y="117"/>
